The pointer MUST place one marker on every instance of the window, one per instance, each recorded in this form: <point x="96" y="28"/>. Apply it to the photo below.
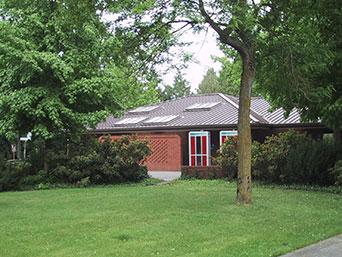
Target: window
<point x="224" y="135"/>
<point x="199" y="150"/>
<point x="143" y="109"/>
<point x="201" y="106"/>
<point x="130" y="120"/>
<point x="161" y="119"/>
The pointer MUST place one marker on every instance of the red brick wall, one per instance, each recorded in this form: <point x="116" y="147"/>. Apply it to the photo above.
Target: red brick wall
<point x="166" y="151"/>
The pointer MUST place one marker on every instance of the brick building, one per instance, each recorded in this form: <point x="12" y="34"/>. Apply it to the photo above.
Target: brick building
<point x="188" y="131"/>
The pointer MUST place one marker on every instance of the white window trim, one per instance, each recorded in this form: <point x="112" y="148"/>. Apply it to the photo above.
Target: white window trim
<point x="208" y="154"/>
<point x="232" y="132"/>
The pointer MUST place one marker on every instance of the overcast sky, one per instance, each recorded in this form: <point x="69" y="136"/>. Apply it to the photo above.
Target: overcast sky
<point x="203" y="47"/>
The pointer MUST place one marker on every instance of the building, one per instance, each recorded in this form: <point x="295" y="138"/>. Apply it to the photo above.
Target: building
<point x="188" y="131"/>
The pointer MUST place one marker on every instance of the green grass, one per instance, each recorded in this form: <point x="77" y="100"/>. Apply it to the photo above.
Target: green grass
<point x="185" y="218"/>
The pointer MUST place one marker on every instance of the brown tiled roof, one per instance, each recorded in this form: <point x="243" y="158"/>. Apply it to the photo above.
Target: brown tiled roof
<point x="223" y="114"/>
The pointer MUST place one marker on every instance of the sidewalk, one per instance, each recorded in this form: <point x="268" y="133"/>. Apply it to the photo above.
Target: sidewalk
<point x="165" y="175"/>
<point x="331" y="247"/>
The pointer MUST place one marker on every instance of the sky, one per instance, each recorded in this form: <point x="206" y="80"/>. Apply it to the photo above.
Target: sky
<point x="204" y="46"/>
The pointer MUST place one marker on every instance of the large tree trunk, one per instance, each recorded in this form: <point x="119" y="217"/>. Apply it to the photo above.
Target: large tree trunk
<point x="244" y="179"/>
<point x="244" y="46"/>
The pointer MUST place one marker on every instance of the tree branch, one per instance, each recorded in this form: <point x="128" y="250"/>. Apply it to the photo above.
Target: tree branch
<point x="224" y="34"/>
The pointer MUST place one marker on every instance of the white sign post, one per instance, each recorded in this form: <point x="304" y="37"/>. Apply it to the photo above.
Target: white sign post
<point x="25" y="139"/>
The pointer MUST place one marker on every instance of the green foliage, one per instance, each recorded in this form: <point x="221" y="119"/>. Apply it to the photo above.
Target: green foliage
<point x="13" y="174"/>
<point x="111" y="162"/>
<point x="310" y="162"/>
<point x="80" y="162"/>
<point x="105" y="163"/>
<point x="299" y="59"/>
<point x="179" y="88"/>
<point x="210" y="83"/>
<point x="62" y="70"/>
<point x="336" y="173"/>
<point x="229" y="75"/>
<point x="270" y="157"/>
<point x="289" y="158"/>
<point x="227" y="159"/>
<point x="4" y="149"/>
<point x="293" y="158"/>
<point x="228" y="79"/>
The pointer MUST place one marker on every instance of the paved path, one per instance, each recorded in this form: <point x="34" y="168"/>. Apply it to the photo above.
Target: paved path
<point x="331" y="247"/>
<point x="165" y="175"/>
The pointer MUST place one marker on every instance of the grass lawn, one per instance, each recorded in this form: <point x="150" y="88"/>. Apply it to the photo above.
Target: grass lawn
<point x="185" y="218"/>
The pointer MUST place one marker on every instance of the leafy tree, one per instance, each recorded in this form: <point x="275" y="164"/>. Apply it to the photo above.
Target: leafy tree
<point x="179" y="88"/>
<point x="229" y="75"/>
<point x="235" y="24"/>
<point x="210" y="83"/>
<point x="299" y="60"/>
<point x="252" y="29"/>
<point x="228" y="79"/>
<point x="61" y="68"/>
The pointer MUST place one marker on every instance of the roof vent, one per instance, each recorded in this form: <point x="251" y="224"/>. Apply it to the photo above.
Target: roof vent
<point x="130" y="120"/>
<point x="201" y="106"/>
<point x="160" y="119"/>
<point x="143" y="109"/>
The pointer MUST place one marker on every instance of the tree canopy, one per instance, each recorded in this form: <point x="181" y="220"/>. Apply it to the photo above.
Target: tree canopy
<point x="228" y="79"/>
<point x="277" y="41"/>
<point x="61" y="68"/>
<point x="179" y="88"/>
<point x="210" y="83"/>
<point x="300" y="58"/>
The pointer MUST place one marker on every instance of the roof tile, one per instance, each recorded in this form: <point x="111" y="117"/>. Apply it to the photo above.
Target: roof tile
<point x="222" y="114"/>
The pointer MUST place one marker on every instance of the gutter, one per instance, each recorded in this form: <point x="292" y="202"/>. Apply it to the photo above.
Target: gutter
<point x="202" y="127"/>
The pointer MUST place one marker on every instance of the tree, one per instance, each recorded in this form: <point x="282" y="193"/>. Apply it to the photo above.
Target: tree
<point x="235" y="29"/>
<point x="210" y="83"/>
<point x="235" y="24"/>
<point x="61" y="69"/>
<point x="229" y="75"/>
<point x="179" y="88"/>
<point x="228" y="80"/>
<point x="302" y="47"/>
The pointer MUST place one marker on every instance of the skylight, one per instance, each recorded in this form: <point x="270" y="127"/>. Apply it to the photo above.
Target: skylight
<point x="144" y="109"/>
<point x="161" y="119"/>
<point x="130" y="120"/>
<point x="202" y="106"/>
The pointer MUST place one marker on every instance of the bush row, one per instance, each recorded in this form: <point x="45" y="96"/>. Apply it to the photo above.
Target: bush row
<point x="92" y="163"/>
<point x="289" y="158"/>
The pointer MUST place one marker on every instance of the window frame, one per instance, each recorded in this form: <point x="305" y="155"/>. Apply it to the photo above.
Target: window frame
<point x="204" y="157"/>
<point x="227" y="133"/>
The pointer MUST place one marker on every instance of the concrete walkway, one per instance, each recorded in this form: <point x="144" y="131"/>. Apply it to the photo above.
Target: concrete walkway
<point x="331" y="247"/>
<point x="165" y="175"/>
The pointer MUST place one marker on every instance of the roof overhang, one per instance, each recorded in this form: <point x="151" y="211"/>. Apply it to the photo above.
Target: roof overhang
<point x="202" y="127"/>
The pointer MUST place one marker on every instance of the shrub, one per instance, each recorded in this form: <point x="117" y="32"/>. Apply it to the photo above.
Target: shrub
<point x="270" y="158"/>
<point x="108" y="162"/>
<point x="12" y="174"/>
<point x="310" y="163"/>
<point x="289" y="158"/>
<point x="210" y="172"/>
<point x="78" y="163"/>
<point x="294" y="158"/>
<point x="336" y="173"/>
<point x="227" y="159"/>
<point x="64" y="174"/>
